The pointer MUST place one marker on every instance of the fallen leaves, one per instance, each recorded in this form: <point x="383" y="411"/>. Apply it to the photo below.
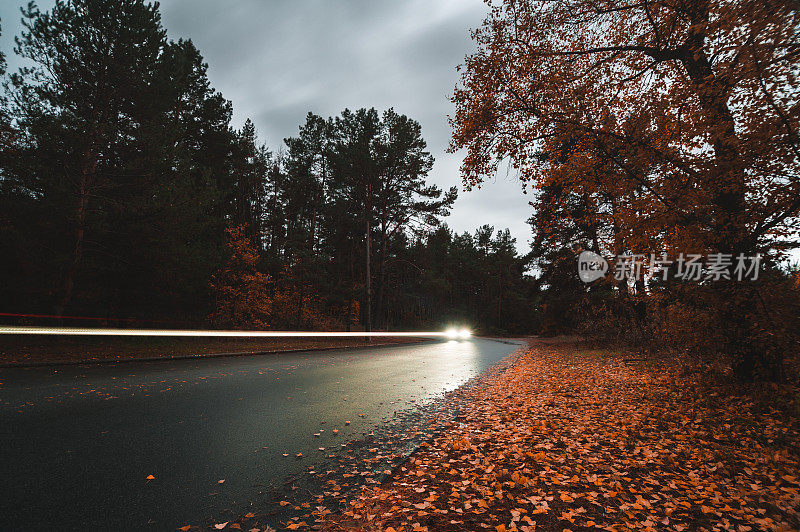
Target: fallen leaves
<point x="563" y="439"/>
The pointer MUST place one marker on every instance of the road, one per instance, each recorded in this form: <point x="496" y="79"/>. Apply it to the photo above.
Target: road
<point x="78" y="442"/>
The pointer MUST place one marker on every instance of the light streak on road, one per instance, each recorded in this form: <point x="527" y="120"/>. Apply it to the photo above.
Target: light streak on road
<point x="71" y="331"/>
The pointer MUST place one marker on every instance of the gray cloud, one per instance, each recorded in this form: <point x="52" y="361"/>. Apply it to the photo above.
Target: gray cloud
<point x="277" y="60"/>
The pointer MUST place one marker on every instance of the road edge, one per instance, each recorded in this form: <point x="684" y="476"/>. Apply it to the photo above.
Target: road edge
<point x="47" y="363"/>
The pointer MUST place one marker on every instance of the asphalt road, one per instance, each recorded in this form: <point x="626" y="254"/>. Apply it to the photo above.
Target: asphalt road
<point x="77" y="443"/>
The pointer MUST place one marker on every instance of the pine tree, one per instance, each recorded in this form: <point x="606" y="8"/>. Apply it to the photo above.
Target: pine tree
<point x="404" y="201"/>
<point x="78" y="105"/>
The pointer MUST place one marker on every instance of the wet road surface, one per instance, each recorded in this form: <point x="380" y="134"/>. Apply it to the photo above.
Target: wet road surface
<point x="77" y="443"/>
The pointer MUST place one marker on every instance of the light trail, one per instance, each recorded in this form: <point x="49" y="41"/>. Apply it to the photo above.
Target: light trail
<point x="71" y="331"/>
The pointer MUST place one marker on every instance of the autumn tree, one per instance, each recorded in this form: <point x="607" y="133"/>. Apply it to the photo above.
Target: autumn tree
<point x="676" y="122"/>
<point x="242" y="293"/>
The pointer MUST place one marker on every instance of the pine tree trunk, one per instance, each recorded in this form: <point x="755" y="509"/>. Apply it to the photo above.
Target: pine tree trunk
<point x="368" y="276"/>
<point x="382" y="295"/>
<point x="88" y="170"/>
<point x="352" y="286"/>
<point x="77" y="254"/>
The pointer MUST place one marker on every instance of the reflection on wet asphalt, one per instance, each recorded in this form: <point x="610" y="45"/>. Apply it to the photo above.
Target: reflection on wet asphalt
<point x="78" y="442"/>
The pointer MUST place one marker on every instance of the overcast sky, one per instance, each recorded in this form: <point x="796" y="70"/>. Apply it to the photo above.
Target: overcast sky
<point x="278" y="59"/>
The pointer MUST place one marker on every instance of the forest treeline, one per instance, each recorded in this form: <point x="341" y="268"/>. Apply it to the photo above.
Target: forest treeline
<point x="126" y="193"/>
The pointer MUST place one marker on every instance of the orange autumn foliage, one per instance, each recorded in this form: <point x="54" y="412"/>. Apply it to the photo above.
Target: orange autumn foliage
<point x="249" y="298"/>
<point x="678" y="119"/>
<point x="242" y="293"/>
<point x="296" y="305"/>
<point x="650" y="127"/>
